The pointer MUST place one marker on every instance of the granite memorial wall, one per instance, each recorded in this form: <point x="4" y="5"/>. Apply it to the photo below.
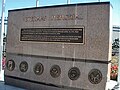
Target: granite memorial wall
<point x="63" y="47"/>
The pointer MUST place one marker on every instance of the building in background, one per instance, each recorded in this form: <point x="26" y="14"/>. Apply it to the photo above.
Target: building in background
<point x="116" y="32"/>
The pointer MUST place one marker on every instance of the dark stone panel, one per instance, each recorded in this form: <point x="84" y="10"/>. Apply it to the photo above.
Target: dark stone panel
<point x="17" y="83"/>
<point x="27" y="85"/>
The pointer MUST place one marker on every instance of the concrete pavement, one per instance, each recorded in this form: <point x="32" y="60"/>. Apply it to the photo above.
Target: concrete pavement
<point x="8" y="87"/>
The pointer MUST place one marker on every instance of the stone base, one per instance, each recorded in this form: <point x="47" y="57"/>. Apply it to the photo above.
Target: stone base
<point x="33" y="85"/>
<point x="26" y="71"/>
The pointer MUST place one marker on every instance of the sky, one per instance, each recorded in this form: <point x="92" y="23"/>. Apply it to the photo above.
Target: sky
<point x="18" y="4"/>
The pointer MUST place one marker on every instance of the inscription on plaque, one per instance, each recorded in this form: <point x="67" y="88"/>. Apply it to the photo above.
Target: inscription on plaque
<point x="95" y="76"/>
<point x="65" y="35"/>
<point x="10" y="65"/>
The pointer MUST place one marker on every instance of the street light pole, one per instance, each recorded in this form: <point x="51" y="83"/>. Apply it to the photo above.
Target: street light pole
<point x="37" y="3"/>
<point x="68" y="1"/>
<point x="1" y="40"/>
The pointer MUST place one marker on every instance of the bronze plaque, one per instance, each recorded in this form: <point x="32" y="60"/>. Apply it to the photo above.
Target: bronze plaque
<point x="23" y="66"/>
<point x="65" y="35"/>
<point x="38" y="69"/>
<point x="74" y="73"/>
<point x="55" y="71"/>
<point x="10" y="65"/>
<point x="95" y="76"/>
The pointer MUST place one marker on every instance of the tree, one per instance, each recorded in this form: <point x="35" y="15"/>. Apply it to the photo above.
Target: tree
<point x="115" y="46"/>
<point x="115" y="58"/>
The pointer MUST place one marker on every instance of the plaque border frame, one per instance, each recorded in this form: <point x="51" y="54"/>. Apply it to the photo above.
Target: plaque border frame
<point x="83" y="28"/>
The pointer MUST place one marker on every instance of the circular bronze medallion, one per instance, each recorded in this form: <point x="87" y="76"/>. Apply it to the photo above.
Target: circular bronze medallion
<point x="74" y="73"/>
<point x="95" y="76"/>
<point x="10" y="65"/>
<point x="55" y="71"/>
<point x="23" y="66"/>
<point x="38" y="69"/>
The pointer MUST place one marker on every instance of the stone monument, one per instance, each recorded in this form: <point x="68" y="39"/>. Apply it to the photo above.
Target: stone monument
<point x="62" y="47"/>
